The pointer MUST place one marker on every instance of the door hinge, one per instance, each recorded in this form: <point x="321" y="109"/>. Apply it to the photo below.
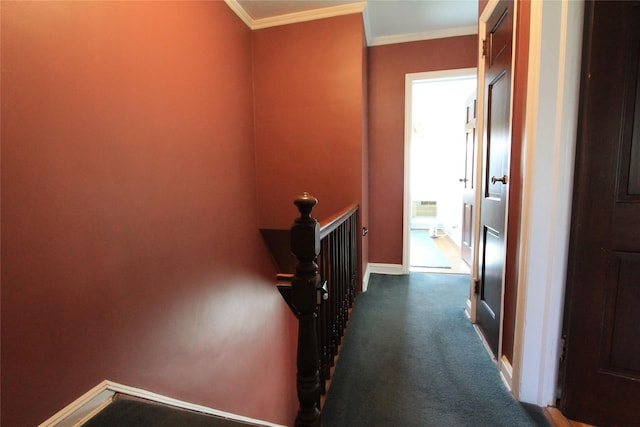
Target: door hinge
<point x="476" y="286"/>
<point x="484" y="47"/>
<point x="561" y="366"/>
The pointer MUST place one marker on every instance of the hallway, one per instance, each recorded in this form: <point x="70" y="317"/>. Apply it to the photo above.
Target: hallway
<point x="412" y="358"/>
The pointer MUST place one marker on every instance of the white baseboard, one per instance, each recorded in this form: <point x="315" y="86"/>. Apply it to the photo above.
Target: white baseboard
<point x="365" y="278"/>
<point x="83" y="408"/>
<point x="467" y="309"/>
<point x="395" y="269"/>
<point x="486" y="345"/>
<point x="504" y="367"/>
<point x="93" y="401"/>
<point x="506" y="372"/>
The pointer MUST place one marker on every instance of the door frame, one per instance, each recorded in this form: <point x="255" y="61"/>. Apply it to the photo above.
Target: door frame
<point x="410" y="78"/>
<point x="555" y="55"/>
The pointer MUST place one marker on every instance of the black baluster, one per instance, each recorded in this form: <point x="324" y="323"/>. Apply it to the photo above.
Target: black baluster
<point x="305" y="245"/>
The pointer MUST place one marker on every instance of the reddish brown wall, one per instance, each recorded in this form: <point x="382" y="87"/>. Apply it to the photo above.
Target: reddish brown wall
<point x="515" y="178"/>
<point x="482" y="4"/>
<point x="364" y="213"/>
<point x="388" y="66"/>
<point x="130" y="245"/>
<point x="309" y="103"/>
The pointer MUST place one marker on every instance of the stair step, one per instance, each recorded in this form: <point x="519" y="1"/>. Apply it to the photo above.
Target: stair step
<point x="130" y="412"/>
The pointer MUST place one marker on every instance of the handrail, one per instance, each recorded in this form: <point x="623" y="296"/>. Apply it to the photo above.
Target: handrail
<point x="331" y="223"/>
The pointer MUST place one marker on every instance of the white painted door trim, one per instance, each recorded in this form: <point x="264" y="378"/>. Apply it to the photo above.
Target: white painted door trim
<point x="548" y="160"/>
<point x="408" y="100"/>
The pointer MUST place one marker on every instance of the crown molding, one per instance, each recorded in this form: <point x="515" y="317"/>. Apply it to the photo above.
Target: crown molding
<point x="368" y="35"/>
<point x="345" y="9"/>
<point x="292" y="18"/>
<point x="429" y="35"/>
<point x="239" y="10"/>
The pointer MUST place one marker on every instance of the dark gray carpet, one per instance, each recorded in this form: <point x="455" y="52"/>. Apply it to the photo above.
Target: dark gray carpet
<point x="424" y="252"/>
<point x="412" y="358"/>
<point x="137" y="413"/>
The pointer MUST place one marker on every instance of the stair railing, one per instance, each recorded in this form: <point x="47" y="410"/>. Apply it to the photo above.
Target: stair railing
<point x="337" y="261"/>
<point x="320" y="294"/>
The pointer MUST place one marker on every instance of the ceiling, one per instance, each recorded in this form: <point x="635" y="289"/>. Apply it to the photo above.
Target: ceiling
<point x="385" y="21"/>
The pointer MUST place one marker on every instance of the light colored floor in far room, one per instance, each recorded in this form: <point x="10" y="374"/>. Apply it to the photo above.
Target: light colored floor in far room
<point x="452" y="252"/>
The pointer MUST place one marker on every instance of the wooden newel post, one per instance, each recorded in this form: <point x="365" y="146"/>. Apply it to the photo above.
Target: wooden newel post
<point x="305" y="245"/>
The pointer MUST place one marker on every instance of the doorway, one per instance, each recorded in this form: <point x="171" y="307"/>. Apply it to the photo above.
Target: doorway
<point x="435" y="111"/>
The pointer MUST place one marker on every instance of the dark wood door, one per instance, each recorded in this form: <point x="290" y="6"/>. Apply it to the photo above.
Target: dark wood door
<point x="497" y="142"/>
<point x="468" y="180"/>
<point x="602" y="318"/>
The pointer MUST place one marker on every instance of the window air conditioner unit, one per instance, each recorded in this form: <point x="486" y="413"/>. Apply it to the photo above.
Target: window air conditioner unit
<point x="424" y="208"/>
